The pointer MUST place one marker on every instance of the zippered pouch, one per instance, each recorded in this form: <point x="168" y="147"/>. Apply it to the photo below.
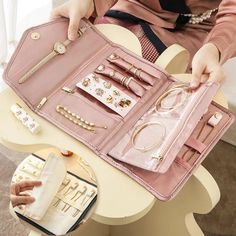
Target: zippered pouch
<point x="127" y="110"/>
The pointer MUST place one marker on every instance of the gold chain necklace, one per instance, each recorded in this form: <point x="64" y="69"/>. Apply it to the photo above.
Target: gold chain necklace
<point x="77" y="120"/>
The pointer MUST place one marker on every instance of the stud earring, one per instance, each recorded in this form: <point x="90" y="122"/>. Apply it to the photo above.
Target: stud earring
<point x="107" y="85"/>
<point x="95" y="78"/>
<point x="86" y="82"/>
<point x="99" y="92"/>
<point x="109" y="99"/>
<point x="116" y="93"/>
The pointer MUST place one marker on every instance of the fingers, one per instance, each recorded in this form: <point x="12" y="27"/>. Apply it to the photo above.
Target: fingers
<point x="56" y="13"/>
<point x="75" y="18"/>
<point x="27" y="185"/>
<point x="197" y="72"/>
<point x="217" y="75"/>
<point x="21" y="200"/>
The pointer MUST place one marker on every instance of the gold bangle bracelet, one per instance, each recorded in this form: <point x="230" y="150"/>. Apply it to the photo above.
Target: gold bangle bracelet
<point x="142" y="127"/>
<point x="180" y="87"/>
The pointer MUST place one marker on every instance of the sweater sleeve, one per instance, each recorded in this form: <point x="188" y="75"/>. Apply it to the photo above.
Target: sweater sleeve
<point x="223" y="34"/>
<point x="102" y="6"/>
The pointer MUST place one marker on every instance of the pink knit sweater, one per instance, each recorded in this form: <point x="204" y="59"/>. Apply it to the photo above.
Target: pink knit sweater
<point x="220" y="29"/>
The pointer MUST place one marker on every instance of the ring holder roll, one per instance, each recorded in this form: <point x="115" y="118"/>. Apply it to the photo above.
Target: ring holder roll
<point x="132" y="69"/>
<point x="52" y="176"/>
<point x="129" y="82"/>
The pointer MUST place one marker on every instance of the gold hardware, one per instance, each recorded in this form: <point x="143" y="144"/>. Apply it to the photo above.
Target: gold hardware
<point x="41" y="104"/>
<point x="112" y="73"/>
<point x="35" y="35"/>
<point x="113" y="56"/>
<point x="67" y="90"/>
<point x="101" y="68"/>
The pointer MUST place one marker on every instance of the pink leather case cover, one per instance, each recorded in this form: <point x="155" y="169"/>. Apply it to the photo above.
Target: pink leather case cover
<point x="82" y="58"/>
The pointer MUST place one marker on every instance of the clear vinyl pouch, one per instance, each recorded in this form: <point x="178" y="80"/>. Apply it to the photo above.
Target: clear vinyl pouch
<point x="147" y="144"/>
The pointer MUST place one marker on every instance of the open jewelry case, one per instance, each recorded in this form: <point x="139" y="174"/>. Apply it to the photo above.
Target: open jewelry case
<point x="127" y="110"/>
<point x="63" y="196"/>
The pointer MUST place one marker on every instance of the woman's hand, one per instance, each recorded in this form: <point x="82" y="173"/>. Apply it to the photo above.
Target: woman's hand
<point x="18" y="195"/>
<point x="75" y="10"/>
<point x="206" y="66"/>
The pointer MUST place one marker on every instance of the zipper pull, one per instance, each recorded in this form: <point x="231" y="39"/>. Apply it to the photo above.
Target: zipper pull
<point x="41" y="104"/>
<point x="68" y="90"/>
<point x="157" y="156"/>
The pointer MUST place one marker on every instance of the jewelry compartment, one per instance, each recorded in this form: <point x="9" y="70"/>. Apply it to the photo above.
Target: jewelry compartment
<point x="69" y="206"/>
<point x="168" y="123"/>
<point x="96" y="123"/>
<point x="53" y="69"/>
<point x="212" y="123"/>
<point x="165" y="186"/>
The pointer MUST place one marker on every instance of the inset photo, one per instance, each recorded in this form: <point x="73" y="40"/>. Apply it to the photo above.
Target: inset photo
<point x="53" y="191"/>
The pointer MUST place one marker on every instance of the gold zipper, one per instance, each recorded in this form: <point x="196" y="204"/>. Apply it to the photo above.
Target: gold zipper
<point x="68" y="90"/>
<point x="41" y="104"/>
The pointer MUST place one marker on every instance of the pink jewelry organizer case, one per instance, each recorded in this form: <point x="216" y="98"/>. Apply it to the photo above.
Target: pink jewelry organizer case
<point x="55" y="84"/>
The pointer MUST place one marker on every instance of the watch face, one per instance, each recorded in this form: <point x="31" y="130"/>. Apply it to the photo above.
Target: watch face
<point x="60" y="48"/>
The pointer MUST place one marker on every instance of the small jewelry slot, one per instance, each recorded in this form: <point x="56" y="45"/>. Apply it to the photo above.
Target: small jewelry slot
<point x="201" y="137"/>
<point x="85" y="120"/>
<point x="135" y="71"/>
<point x="195" y="144"/>
<point x="128" y="82"/>
<point x="107" y="94"/>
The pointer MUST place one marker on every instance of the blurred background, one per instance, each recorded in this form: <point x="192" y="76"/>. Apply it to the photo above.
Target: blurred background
<point x="18" y="15"/>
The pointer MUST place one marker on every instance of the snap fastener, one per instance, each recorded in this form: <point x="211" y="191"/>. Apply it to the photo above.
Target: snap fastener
<point x="35" y="36"/>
